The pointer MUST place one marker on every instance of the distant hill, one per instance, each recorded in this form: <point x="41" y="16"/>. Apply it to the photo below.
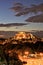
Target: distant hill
<point x="8" y="34"/>
<point x="38" y="33"/>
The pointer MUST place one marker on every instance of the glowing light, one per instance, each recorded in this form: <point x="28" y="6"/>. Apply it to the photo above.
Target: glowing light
<point x="23" y="35"/>
<point x="20" y="35"/>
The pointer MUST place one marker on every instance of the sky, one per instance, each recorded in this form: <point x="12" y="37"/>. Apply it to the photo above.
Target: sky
<point x="8" y="16"/>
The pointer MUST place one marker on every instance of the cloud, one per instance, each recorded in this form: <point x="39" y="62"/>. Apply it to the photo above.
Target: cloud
<point x="17" y="7"/>
<point x="37" y="18"/>
<point x="12" y="24"/>
<point x="23" y="12"/>
<point x="18" y="4"/>
<point x="20" y="10"/>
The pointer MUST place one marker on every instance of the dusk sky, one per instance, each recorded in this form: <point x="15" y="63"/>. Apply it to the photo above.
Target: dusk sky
<point x="7" y="15"/>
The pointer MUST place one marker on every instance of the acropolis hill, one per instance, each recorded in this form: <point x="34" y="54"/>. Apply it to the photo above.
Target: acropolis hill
<point x="24" y="48"/>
